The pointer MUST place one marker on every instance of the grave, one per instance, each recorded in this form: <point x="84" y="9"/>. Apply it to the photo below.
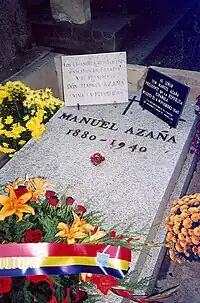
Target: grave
<point x="143" y="162"/>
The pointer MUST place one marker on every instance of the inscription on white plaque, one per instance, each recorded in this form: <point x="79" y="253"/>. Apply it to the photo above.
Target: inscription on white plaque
<point x="95" y="79"/>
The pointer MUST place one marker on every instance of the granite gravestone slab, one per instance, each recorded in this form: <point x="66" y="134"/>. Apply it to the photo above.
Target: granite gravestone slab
<point x="143" y="159"/>
<point x="95" y="79"/>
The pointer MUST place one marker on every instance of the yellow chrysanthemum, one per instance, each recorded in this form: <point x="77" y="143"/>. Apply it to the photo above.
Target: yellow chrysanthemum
<point x="37" y="132"/>
<point x="6" y="133"/>
<point x="8" y="120"/>
<point x="22" y="142"/>
<point x="26" y="118"/>
<point x="17" y="129"/>
<point x="3" y="94"/>
<point x="6" y="150"/>
<point x="1" y="124"/>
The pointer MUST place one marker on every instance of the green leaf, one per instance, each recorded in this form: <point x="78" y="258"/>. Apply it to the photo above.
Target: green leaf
<point x="18" y="229"/>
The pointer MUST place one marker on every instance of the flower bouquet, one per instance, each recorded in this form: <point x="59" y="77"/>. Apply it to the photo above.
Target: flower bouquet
<point x="183" y="225"/>
<point x="23" y="113"/>
<point x="54" y="250"/>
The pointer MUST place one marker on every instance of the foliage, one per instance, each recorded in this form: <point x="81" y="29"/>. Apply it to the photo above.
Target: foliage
<point x="23" y="113"/>
<point x="196" y="140"/>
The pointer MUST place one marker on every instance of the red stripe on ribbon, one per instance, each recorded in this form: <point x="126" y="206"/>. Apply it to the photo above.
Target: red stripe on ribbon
<point x="63" y="249"/>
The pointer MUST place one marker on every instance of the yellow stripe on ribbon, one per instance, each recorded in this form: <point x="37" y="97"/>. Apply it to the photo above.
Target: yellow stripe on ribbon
<point x="37" y="262"/>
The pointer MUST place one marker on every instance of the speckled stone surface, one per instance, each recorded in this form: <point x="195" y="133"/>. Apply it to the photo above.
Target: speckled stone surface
<point x="130" y="187"/>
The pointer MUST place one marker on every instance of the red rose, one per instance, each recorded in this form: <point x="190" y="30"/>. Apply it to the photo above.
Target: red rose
<point x="53" y="201"/>
<point x="38" y="279"/>
<point x="81" y="296"/>
<point x="21" y="190"/>
<point x="33" y="236"/>
<point x="5" y="285"/>
<point x="97" y="158"/>
<point x="69" y="201"/>
<point x="81" y="209"/>
<point x="53" y="300"/>
<point x="49" y="194"/>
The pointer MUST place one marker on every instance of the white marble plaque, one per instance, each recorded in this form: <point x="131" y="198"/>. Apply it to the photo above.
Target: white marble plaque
<point x="95" y="79"/>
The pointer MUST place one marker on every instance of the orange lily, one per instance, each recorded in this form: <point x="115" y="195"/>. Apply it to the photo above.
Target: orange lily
<point x="99" y="234"/>
<point x="81" y="225"/>
<point x="37" y="187"/>
<point x="12" y="205"/>
<point x="71" y="233"/>
<point x="13" y="185"/>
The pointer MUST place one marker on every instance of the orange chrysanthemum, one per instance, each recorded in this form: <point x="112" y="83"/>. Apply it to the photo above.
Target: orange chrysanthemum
<point x="183" y="225"/>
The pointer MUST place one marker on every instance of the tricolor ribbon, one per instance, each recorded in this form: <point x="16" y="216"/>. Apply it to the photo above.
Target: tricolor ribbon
<point x="63" y="259"/>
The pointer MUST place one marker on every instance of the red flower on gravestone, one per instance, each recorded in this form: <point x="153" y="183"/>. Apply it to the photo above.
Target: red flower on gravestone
<point x="33" y="236"/>
<point x="5" y="285"/>
<point x="97" y="158"/>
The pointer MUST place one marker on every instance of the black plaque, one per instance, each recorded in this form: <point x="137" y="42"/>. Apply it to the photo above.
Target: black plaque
<point x="164" y="97"/>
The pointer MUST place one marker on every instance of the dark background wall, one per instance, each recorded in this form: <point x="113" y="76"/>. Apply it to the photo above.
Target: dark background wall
<point x="15" y="32"/>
